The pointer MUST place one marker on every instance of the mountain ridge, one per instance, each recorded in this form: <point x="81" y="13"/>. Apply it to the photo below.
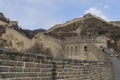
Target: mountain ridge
<point x="87" y="24"/>
<point x="76" y="19"/>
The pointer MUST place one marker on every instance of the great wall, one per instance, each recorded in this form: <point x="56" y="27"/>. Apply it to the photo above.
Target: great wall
<point x="28" y="66"/>
<point x="77" y="57"/>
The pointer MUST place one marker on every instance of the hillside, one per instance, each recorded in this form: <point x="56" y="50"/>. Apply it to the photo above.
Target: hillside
<point x="87" y="25"/>
<point x="13" y="37"/>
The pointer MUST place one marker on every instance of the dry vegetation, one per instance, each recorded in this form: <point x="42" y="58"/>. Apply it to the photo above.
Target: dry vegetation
<point x="38" y="48"/>
<point x="91" y="25"/>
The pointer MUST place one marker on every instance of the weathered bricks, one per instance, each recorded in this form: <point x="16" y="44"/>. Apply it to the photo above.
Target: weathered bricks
<point x="11" y="63"/>
<point x="81" y="70"/>
<point x="28" y="66"/>
<point x="4" y="69"/>
<point x="25" y="66"/>
<point x="31" y="69"/>
<point x="13" y="69"/>
<point x="8" y="75"/>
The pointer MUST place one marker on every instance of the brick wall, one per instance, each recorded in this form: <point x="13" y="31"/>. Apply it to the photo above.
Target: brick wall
<point x="28" y="66"/>
<point x="25" y="66"/>
<point x="82" y="70"/>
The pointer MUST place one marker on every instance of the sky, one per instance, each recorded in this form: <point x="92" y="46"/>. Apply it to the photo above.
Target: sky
<point x="36" y="14"/>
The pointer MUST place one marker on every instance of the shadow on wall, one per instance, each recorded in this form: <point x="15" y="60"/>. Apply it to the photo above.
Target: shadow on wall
<point x="54" y="73"/>
<point x="2" y="30"/>
<point x="86" y="48"/>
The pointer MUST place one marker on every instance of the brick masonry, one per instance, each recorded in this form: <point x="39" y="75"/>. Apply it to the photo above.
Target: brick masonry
<point x="28" y="66"/>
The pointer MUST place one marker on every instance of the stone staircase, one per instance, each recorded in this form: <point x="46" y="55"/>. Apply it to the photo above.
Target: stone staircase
<point x="102" y="56"/>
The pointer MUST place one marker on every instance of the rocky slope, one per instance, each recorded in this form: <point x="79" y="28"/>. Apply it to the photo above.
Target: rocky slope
<point x="87" y="25"/>
<point x="11" y="38"/>
<point x="15" y="38"/>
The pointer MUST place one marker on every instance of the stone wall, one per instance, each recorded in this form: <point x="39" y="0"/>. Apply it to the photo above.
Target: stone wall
<point x="82" y="70"/>
<point x="25" y="66"/>
<point x="28" y="66"/>
<point x="75" y="47"/>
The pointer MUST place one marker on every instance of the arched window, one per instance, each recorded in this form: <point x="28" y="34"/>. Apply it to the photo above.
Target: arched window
<point x="71" y="49"/>
<point x="85" y="48"/>
<point x="75" y="48"/>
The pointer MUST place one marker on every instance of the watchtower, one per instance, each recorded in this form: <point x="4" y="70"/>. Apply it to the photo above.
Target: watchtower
<point x="77" y="47"/>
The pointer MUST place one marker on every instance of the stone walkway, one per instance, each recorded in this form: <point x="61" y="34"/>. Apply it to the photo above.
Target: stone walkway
<point x="116" y="63"/>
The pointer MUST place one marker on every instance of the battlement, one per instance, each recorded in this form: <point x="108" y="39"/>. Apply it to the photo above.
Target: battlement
<point x="86" y="39"/>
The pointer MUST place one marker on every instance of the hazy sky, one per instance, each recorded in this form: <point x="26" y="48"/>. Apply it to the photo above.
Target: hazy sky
<point x="33" y="14"/>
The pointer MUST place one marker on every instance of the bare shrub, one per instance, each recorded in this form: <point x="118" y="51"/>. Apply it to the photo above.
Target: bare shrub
<point x="39" y="48"/>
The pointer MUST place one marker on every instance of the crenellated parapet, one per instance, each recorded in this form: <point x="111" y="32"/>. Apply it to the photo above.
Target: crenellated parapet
<point x="86" y="39"/>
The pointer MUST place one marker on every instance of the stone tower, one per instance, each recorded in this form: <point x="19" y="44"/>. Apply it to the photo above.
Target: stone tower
<point x="78" y="48"/>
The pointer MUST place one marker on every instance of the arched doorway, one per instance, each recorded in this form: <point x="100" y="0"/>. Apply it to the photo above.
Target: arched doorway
<point x="85" y="48"/>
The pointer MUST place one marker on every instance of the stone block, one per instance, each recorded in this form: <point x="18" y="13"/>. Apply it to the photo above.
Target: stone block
<point x="43" y="65"/>
<point x="33" y="74"/>
<point x="4" y="69"/>
<point x="11" y="63"/>
<point x="30" y="64"/>
<point x="16" y="69"/>
<point x="31" y="69"/>
<point x="19" y="64"/>
<point x="7" y="63"/>
<point x="45" y="70"/>
<point x="8" y="75"/>
<point x="22" y="74"/>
